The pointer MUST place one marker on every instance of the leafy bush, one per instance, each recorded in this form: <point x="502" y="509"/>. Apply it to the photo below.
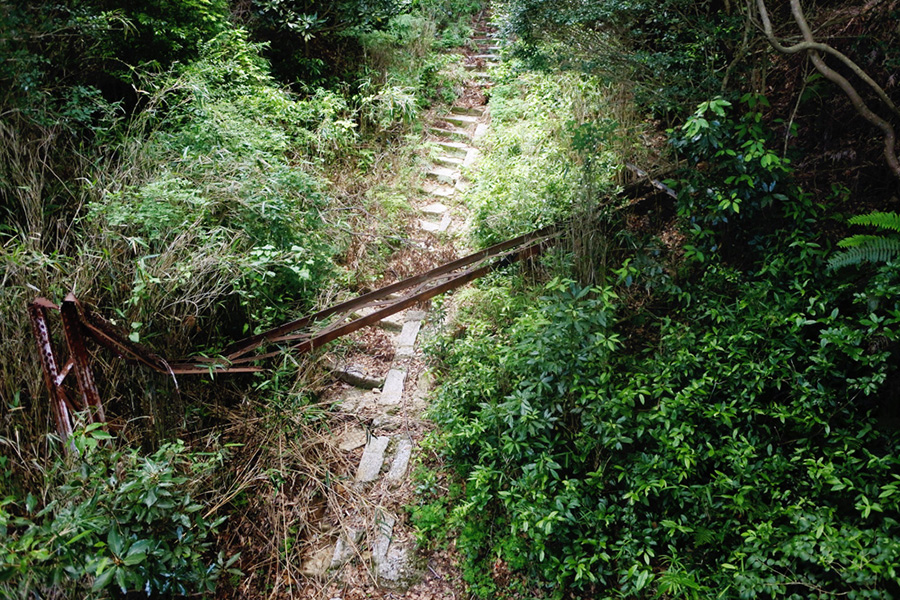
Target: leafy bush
<point x="737" y="452"/>
<point x="115" y="521"/>
<point x="529" y="175"/>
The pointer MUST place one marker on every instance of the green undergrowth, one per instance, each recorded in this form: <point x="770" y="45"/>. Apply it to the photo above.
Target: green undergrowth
<point x="716" y="419"/>
<point x="746" y="449"/>
<point x="129" y="522"/>
<point x="532" y="171"/>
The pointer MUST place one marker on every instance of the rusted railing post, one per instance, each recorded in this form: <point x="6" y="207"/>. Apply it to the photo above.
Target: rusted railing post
<point x="59" y="404"/>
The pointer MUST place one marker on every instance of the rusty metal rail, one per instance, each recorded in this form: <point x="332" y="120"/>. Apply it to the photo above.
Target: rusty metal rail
<point x="79" y="323"/>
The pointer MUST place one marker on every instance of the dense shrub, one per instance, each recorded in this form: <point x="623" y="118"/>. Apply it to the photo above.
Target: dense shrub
<point x="115" y="520"/>
<point x="743" y="453"/>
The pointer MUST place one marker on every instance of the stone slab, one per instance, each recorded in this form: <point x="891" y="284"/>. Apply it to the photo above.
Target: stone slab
<point x="357" y="376"/>
<point x="461" y="120"/>
<point x="392" y="322"/>
<point x="401" y="462"/>
<point x="393" y="387"/>
<point x="459" y="148"/>
<point x="453" y="134"/>
<point x="471" y="156"/>
<point x="443" y="175"/>
<point x="435" y="209"/>
<point x="345" y="547"/>
<point x="352" y="439"/>
<point x="473" y="111"/>
<point x="406" y="341"/>
<point x="480" y="131"/>
<point x="384" y="532"/>
<point x="439" y="190"/>
<point x="372" y="459"/>
<point x="448" y="161"/>
<point x="317" y="563"/>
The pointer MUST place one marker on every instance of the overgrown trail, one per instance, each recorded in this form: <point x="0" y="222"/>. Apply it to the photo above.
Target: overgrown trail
<point x="366" y="548"/>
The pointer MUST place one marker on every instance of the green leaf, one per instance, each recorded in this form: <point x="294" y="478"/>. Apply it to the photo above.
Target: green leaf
<point x="115" y="541"/>
<point x="103" y="580"/>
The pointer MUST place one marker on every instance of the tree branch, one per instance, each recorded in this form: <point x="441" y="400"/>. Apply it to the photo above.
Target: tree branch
<point x="813" y="48"/>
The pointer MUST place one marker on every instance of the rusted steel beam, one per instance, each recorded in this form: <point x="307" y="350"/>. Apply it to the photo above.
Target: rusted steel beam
<point x="81" y="360"/>
<point x="459" y="280"/>
<point x="37" y="311"/>
<point x="249" y="344"/>
<point x="106" y="334"/>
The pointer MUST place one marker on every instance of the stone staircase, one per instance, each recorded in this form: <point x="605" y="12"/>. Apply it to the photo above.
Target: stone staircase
<point x="372" y="535"/>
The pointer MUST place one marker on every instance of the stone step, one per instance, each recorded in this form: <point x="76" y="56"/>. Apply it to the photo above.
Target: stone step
<point x="357" y="376"/>
<point x="438" y="190"/>
<point x="449" y="161"/>
<point x="432" y="227"/>
<point x="488" y="57"/>
<point x="443" y="175"/>
<point x="474" y="111"/>
<point x="406" y="342"/>
<point x="473" y="153"/>
<point x="435" y="209"/>
<point x="392" y="392"/>
<point x="460" y="120"/>
<point x="372" y="459"/>
<point x="384" y="533"/>
<point x="481" y="75"/>
<point x="391" y="323"/>
<point x="400" y="462"/>
<point x="345" y="547"/>
<point x="480" y="131"/>
<point x="458" y="148"/>
<point x="452" y="134"/>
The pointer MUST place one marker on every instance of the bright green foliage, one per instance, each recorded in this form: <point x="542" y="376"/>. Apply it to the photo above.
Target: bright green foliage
<point x="116" y="520"/>
<point x="528" y="176"/>
<point x="227" y="172"/>
<point x="738" y="455"/>
<point x="869" y="248"/>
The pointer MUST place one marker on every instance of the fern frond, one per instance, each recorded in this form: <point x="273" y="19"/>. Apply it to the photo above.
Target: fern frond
<point x="858" y="240"/>
<point x="884" y="220"/>
<point x="879" y="249"/>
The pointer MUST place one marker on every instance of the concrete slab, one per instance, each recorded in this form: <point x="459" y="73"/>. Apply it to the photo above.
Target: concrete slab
<point x="435" y="209"/>
<point x="471" y="156"/>
<point x="384" y="531"/>
<point x="443" y="175"/>
<point x="415" y="315"/>
<point x="345" y="548"/>
<point x="452" y="134"/>
<point x="357" y="376"/>
<point x="352" y="439"/>
<point x="439" y="190"/>
<point x="406" y="341"/>
<point x="449" y="161"/>
<point x="317" y="563"/>
<point x="473" y="111"/>
<point x="460" y="120"/>
<point x="393" y="387"/>
<point x="372" y="459"/>
<point x="480" y="131"/>
<point x="401" y="462"/>
<point x="458" y="148"/>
